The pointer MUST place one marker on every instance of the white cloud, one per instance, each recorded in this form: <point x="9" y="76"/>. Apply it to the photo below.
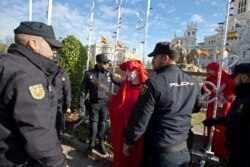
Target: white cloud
<point x="197" y="18"/>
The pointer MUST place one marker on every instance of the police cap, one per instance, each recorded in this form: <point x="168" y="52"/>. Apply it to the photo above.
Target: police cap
<point x="165" y="48"/>
<point x="243" y="68"/>
<point x="102" y="58"/>
<point x="39" y="29"/>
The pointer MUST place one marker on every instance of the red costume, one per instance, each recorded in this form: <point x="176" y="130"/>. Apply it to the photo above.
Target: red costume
<point x="120" y="107"/>
<point x="226" y="94"/>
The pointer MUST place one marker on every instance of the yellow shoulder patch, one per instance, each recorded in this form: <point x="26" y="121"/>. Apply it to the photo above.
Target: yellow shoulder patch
<point x="144" y="88"/>
<point x="37" y="91"/>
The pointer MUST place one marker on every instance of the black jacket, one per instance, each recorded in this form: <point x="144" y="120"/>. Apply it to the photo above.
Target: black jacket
<point x="28" y="109"/>
<point x="163" y="110"/>
<point x="237" y="124"/>
<point x="61" y="82"/>
<point x="98" y="84"/>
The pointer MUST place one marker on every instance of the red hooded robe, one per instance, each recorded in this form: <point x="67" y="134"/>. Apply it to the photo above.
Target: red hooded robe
<point x="120" y="107"/>
<point x="228" y="92"/>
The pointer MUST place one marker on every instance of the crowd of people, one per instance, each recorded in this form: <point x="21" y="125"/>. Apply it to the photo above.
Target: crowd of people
<point x="150" y="115"/>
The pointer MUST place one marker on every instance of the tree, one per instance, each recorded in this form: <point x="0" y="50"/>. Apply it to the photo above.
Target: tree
<point x="73" y="60"/>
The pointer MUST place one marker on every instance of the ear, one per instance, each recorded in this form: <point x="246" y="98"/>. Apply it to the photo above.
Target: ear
<point x="165" y="58"/>
<point x="34" y="45"/>
<point x="245" y="78"/>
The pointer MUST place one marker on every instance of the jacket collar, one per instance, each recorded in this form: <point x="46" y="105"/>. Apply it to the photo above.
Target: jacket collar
<point x="243" y="89"/>
<point x="41" y="62"/>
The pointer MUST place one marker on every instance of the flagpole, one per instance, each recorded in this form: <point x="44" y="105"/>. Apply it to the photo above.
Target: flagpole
<point x="49" y="14"/>
<point x="209" y="147"/>
<point x="30" y="10"/>
<point x="146" y="33"/>
<point x="90" y="32"/>
<point x="117" y="36"/>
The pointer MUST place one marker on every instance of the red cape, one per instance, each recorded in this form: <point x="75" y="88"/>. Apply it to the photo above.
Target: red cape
<point x="120" y="107"/>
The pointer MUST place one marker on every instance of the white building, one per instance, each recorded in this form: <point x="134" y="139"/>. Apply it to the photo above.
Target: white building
<point x="239" y="40"/>
<point x="188" y="40"/>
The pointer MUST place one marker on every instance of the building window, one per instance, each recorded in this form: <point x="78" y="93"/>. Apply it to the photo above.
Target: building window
<point x="242" y="6"/>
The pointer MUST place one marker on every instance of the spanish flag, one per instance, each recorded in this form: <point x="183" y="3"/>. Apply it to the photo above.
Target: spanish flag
<point x="218" y="51"/>
<point x="104" y="40"/>
<point x="232" y="35"/>
<point x="120" y="44"/>
<point x="203" y="52"/>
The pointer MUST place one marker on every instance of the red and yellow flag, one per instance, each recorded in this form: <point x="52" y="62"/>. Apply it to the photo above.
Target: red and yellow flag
<point x="203" y="52"/>
<point x="218" y="51"/>
<point x="120" y="44"/>
<point x="104" y="40"/>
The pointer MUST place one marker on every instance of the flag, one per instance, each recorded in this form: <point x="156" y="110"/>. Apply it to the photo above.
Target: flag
<point x="203" y="52"/>
<point x="232" y="35"/>
<point x="103" y="40"/>
<point x="218" y="51"/>
<point x="120" y="44"/>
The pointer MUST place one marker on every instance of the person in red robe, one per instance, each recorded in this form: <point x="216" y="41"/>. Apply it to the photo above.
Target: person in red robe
<point x="226" y="94"/>
<point x="120" y="107"/>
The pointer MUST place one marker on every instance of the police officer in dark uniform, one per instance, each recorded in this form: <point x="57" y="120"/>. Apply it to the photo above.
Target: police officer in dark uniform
<point x="97" y="85"/>
<point x="28" y="99"/>
<point x="163" y="111"/>
<point x="61" y="82"/>
<point x="237" y="121"/>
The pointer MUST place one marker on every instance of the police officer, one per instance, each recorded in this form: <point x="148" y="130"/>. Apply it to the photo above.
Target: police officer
<point x="237" y="120"/>
<point x="61" y="82"/>
<point x="97" y="85"/>
<point x="28" y="99"/>
<point x="163" y="111"/>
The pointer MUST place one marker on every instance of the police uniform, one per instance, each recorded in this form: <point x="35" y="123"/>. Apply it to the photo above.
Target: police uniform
<point x="61" y="82"/>
<point x="28" y="105"/>
<point x="162" y="115"/>
<point x="97" y="84"/>
<point x="28" y="110"/>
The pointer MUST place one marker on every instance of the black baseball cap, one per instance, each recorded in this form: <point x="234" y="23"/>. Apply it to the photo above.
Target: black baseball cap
<point x="102" y="58"/>
<point x="39" y="29"/>
<point x="243" y="68"/>
<point x="164" y="48"/>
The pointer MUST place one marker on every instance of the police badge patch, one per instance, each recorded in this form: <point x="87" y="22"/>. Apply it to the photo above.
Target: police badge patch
<point x="143" y="89"/>
<point x="37" y="91"/>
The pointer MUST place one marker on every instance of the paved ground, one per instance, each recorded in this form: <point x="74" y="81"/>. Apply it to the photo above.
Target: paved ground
<point x="75" y="150"/>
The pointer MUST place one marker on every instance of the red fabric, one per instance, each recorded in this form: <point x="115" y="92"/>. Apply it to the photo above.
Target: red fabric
<point x="120" y="110"/>
<point x="133" y="65"/>
<point x="219" y="134"/>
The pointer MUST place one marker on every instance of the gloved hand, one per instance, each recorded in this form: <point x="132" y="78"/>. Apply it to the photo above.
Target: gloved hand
<point x="210" y="122"/>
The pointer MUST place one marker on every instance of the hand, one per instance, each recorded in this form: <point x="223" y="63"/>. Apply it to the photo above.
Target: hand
<point x="68" y="110"/>
<point x="126" y="149"/>
<point x="210" y="122"/>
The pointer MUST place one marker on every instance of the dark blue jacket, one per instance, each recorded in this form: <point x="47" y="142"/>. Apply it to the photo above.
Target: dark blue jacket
<point x="163" y="110"/>
<point x="28" y="109"/>
<point x="98" y="84"/>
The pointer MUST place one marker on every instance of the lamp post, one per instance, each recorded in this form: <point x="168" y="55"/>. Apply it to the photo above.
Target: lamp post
<point x="30" y="10"/>
<point x="146" y="33"/>
<point x="90" y="32"/>
<point x="117" y="36"/>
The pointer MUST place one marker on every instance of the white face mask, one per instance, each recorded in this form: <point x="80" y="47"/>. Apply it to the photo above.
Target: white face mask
<point x="132" y="75"/>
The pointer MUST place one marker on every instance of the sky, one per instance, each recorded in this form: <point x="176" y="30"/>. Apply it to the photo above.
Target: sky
<point x="72" y="17"/>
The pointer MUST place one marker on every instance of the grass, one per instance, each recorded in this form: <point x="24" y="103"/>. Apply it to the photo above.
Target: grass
<point x="197" y="119"/>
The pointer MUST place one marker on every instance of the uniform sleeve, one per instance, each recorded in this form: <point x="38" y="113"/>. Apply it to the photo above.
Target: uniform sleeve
<point x="67" y="90"/>
<point x="84" y="90"/>
<point x="198" y="102"/>
<point x="141" y="114"/>
<point x="115" y="80"/>
<point x="247" y="137"/>
<point x="36" y="120"/>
